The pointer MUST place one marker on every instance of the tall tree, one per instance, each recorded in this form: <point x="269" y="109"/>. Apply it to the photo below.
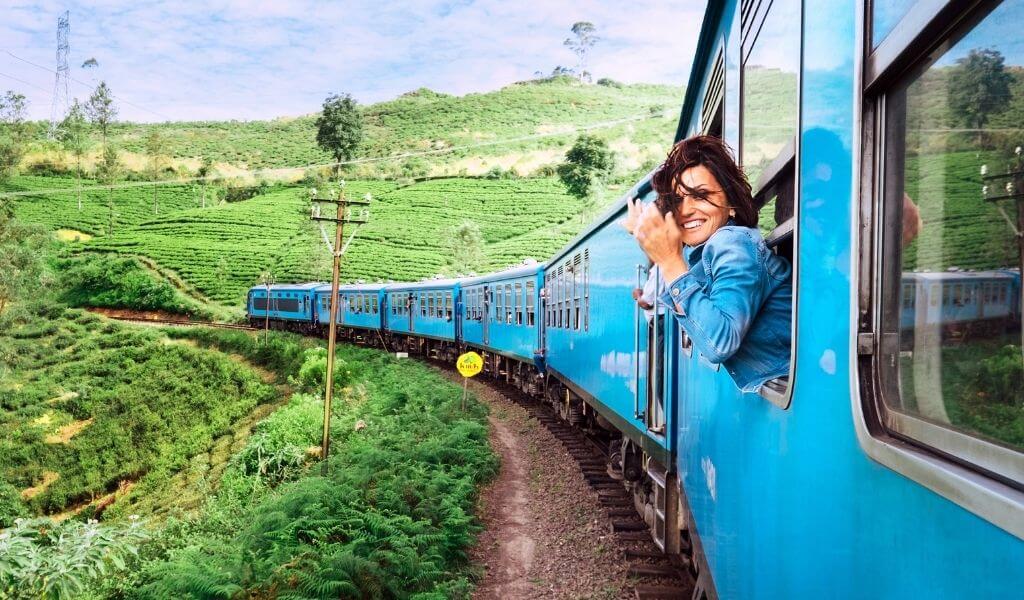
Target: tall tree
<point x="978" y="86"/>
<point x="155" y="149"/>
<point x="205" y="170"/>
<point x="102" y="112"/>
<point x="14" y="132"/>
<point x="339" y="128"/>
<point x="585" y="37"/>
<point x="74" y="138"/>
<point x="586" y="163"/>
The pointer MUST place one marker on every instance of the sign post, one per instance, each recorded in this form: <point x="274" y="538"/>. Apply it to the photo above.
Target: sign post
<point x="469" y="364"/>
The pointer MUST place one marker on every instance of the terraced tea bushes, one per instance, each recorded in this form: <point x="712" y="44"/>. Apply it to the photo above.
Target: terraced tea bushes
<point x="57" y="211"/>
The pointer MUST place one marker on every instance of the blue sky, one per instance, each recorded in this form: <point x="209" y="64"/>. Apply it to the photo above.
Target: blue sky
<point x="224" y="59"/>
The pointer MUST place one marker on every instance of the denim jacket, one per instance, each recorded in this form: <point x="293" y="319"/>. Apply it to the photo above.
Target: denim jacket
<point x="735" y="304"/>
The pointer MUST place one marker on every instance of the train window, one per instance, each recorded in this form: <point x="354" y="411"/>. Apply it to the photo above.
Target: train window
<point x="567" y="292"/>
<point x="519" y="303"/>
<point x="945" y="374"/>
<point x="558" y="298"/>
<point x="448" y="305"/>
<point x="530" y="308"/>
<point x="499" y="306"/>
<point x="508" y="303"/>
<point x="577" y="290"/>
<point x="586" y="289"/>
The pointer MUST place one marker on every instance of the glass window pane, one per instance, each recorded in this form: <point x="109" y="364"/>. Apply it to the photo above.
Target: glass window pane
<point x="770" y="88"/>
<point x="954" y="131"/>
<point x="885" y="15"/>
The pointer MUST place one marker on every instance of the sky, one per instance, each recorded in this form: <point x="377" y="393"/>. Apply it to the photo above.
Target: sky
<point x="254" y="59"/>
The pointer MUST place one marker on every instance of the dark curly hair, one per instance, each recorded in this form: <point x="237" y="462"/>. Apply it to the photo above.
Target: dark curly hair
<point x="716" y="157"/>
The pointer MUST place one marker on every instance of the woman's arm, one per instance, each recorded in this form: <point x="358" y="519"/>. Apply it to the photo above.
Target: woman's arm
<point x="717" y="321"/>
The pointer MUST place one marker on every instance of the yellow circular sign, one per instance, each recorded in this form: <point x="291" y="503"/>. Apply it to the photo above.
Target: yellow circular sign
<point x="469" y="364"/>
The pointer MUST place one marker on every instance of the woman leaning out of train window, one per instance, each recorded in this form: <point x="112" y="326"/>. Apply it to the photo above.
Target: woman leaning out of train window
<point x="731" y="294"/>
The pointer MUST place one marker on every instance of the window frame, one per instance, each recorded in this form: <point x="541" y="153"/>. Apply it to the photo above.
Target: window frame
<point x="777" y="391"/>
<point x="978" y="475"/>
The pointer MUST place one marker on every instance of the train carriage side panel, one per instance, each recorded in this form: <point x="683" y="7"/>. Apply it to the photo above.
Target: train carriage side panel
<point x="287" y="302"/>
<point x="516" y="292"/>
<point x="429" y="309"/>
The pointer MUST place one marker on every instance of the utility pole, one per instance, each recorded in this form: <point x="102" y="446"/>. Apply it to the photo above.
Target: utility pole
<point x="336" y="197"/>
<point x="1010" y="186"/>
<point x="268" y="280"/>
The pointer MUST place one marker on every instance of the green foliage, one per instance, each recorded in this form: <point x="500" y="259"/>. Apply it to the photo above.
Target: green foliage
<point x="40" y="558"/>
<point x="465" y="241"/>
<point x="140" y="407"/>
<point x="108" y="281"/>
<point x="999" y="377"/>
<point x="101" y="110"/>
<point x="339" y="128"/>
<point x="313" y="372"/>
<point x="978" y="86"/>
<point x="392" y="520"/>
<point x="14" y="132"/>
<point x="586" y="163"/>
<point x="21" y="258"/>
<point x="11" y="505"/>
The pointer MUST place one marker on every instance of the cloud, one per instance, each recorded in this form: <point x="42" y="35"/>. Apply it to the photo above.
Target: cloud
<point x="248" y="59"/>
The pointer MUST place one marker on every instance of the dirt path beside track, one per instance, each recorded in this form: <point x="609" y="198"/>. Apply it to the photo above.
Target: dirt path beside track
<point x="545" y="534"/>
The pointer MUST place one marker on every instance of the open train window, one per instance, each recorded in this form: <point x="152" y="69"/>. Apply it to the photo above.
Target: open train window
<point x="530" y="308"/>
<point x="519" y="303"/>
<point x="769" y="123"/>
<point x="943" y="210"/>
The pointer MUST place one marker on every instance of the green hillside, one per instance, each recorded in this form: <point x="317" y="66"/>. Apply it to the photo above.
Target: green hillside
<point x="222" y="250"/>
<point x="425" y="120"/>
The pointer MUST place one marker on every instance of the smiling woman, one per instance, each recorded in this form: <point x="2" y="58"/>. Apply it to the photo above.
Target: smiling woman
<point x="729" y="292"/>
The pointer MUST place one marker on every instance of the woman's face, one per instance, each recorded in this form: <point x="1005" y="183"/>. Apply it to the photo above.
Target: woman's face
<point x="704" y="209"/>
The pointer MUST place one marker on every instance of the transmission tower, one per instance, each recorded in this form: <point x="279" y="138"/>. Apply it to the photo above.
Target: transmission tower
<point x="61" y="85"/>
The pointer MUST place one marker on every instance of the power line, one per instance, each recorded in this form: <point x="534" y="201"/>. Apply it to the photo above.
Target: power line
<point x="40" y="88"/>
<point x="90" y="86"/>
<point x="373" y="159"/>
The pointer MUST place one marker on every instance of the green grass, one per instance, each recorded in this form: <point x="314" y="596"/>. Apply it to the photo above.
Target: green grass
<point x="144" y="406"/>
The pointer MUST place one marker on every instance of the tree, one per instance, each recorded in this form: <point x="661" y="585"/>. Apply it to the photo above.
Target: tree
<point x="464" y="245"/>
<point x="155" y="149"/>
<point x="588" y="162"/>
<point x="205" y="170"/>
<point x="585" y="39"/>
<point x="339" y="128"/>
<point x="21" y="258"/>
<point x="102" y="112"/>
<point x="14" y="132"/>
<point x="978" y="86"/>
<point x="74" y="138"/>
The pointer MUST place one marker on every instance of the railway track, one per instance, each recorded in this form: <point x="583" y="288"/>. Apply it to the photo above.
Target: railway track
<point x="659" y="576"/>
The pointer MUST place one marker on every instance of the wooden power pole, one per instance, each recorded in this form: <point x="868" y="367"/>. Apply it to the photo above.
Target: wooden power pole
<point x="338" y="199"/>
<point x="1009" y="186"/>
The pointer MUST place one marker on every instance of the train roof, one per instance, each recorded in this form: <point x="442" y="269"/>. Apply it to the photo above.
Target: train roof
<point x="288" y="287"/>
<point x="352" y="287"/>
<point x="428" y="284"/>
<point x="516" y="271"/>
<point x="945" y="276"/>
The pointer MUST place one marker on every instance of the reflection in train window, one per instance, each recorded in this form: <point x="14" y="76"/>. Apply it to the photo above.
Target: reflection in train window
<point x="951" y="372"/>
<point x="885" y="15"/>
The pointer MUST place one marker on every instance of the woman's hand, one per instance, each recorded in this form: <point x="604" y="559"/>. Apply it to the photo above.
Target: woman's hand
<point x="660" y="238"/>
<point x="633" y="209"/>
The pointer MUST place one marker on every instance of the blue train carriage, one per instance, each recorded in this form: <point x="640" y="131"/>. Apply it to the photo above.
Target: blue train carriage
<point x="958" y="305"/>
<point x="291" y="306"/>
<point x="423" y="317"/>
<point x="361" y="311"/>
<point x="877" y="471"/>
<point x="499" y="318"/>
<point x="609" y="363"/>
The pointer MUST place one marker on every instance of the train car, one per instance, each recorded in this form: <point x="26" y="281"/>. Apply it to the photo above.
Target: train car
<point x="423" y="317"/>
<point x="958" y="303"/>
<point x="291" y="305"/>
<point x="361" y="311"/>
<point x="863" y="477"/>
<point x="499" y="318"/>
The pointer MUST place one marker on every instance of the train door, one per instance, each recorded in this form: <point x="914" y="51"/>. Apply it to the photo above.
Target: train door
<point x="487" y="315"/>
<point x="657" y="332"/>
<point x="411" y="303"/>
